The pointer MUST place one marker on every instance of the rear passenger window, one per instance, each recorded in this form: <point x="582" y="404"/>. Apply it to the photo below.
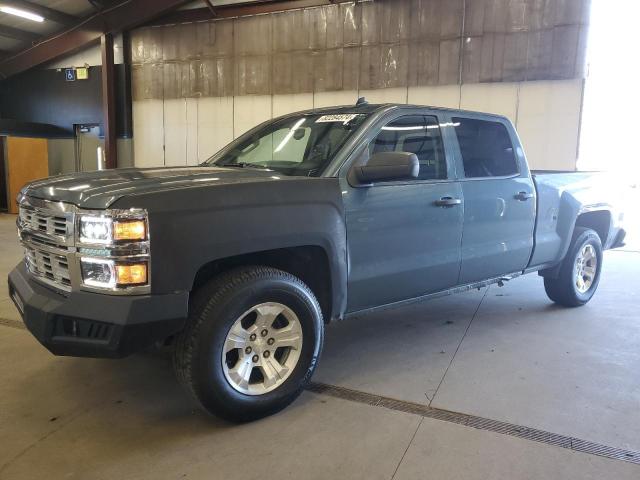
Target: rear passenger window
<point x="485" y="147"/>
<point x="415" y="134"/>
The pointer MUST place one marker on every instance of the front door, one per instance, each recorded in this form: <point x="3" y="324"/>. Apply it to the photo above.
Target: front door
<point x="500" y="204"/>
<point x="403" y="241"/>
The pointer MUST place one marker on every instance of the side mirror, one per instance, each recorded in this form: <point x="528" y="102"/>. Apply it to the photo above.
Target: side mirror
<point x="387" y="166"/>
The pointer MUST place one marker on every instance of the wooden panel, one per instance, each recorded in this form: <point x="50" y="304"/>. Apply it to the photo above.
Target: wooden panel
<point x="26" y="160"/>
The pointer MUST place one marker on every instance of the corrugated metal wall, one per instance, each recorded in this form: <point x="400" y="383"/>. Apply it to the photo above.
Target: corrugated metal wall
<point x="197" y="86"/>
<point x="371" y="45"/>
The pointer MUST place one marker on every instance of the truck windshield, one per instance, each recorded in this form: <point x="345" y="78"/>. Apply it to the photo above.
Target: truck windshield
<point x="300" y="145"/>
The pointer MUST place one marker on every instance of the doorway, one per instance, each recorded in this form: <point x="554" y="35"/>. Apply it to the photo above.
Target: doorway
<point x="89" y="148"/>
<point x="611" y="99"/>
<point x="4" y="193"/>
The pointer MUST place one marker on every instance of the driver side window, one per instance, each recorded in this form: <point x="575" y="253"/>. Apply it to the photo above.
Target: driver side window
<point x="417" y="134"/>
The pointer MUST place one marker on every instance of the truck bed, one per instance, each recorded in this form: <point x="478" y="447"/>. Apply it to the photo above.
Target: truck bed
<point x="562" y="197"/>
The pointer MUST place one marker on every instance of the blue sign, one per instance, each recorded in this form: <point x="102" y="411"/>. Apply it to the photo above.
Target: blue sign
<point x="70" y="74"/>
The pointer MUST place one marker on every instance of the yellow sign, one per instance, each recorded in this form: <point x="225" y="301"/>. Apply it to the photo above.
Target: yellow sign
<point x="82" y="73"/>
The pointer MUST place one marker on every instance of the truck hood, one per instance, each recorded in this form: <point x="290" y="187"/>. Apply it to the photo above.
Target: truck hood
<point x="98" y="190"/>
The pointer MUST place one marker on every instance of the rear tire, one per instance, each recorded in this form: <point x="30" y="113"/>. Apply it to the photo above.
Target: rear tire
<point x="251" y="343"/>
<point x="579" y="273"/>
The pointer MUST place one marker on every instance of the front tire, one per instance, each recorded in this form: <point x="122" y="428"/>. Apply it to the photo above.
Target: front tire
<point x="579" y="274"/>
<point x="252" y="341"/>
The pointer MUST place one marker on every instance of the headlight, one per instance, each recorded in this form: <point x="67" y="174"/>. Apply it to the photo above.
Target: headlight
<point x="112" y="228"/>
<point x="113" y="246"/>
<point x="106" y="273"/>
<point x="98" y="273"/>
<point x="96" y="229"/>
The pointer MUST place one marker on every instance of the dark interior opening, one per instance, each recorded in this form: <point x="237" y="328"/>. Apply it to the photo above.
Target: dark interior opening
<point x="4" y="206"/>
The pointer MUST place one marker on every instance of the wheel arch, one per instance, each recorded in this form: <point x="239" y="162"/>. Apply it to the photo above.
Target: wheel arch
<point x="597" y="220"/>
<point x="310" y="263"/>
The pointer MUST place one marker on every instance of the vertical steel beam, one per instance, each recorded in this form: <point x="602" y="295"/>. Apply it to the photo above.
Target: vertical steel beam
<point x="109" y="102"/>
<point x="127" y="103"/>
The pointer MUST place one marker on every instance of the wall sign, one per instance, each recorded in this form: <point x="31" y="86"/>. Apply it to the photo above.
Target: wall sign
<point x="82" y="73"/>
<point x="70" y="74"/>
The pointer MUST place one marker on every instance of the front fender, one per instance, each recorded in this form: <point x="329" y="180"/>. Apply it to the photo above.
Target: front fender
<point x="191" y="227"/>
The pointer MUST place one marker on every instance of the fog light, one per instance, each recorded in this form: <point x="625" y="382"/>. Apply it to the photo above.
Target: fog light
<point x="129" y="230"/>
<point x="131" y="274"/>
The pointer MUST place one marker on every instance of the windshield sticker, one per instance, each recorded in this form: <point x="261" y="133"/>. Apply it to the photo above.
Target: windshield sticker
<point x="344" y="118"/>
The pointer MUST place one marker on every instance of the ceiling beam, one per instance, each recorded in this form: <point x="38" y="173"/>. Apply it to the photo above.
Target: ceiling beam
<point x="46" y="12"/>
<point x="241" y="10"/>
<point x="124" y="16"/>
<point x="17" y="34"/>
<point x="210" y="7"/>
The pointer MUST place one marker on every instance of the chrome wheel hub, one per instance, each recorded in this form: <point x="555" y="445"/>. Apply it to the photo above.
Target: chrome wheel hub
<point x="585" y="268"/>
<point x="262" y="348"/>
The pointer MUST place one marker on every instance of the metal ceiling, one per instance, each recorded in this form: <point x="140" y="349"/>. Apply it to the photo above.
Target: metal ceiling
<point x="17" y="34"/>
<point x="58" y="14"/>
<point x="72" y="24"/>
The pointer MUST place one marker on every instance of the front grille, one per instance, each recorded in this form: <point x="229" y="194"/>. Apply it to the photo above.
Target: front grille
<point x="42" y="222"/>
<point x="46" y="231"/>
<point x="49" y="266"/>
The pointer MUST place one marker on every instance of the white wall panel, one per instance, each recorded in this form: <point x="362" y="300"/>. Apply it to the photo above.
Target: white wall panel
<point x="175" y="132"/>
<point x="436" y="96"/>
<point x="192" y="131"/>
<point x="249" y="111"/>
<point x="328" y="99"/>
<point x="215" y="125"/>
<point x="499" y="98"/>
<point x="283" y="104"/>
<point x="547" y="116"/>
<point x="549" y="122"/>
<point x="385" y="95"/>
<point x="148" y="133"/>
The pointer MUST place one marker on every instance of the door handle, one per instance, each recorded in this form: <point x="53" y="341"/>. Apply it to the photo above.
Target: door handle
<point x="448" y="202"/>
<point x="523" y="196"/>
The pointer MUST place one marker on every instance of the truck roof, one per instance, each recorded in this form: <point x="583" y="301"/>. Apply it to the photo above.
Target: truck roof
<point x="375" y="107"/>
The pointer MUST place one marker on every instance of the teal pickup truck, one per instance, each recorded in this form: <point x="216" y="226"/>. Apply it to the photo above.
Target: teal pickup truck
<point x="240" y="262"/>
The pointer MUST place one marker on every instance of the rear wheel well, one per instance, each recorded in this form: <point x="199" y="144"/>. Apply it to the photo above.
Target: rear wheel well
<point x="309" y="263"/>
<point x="599" y="220"/>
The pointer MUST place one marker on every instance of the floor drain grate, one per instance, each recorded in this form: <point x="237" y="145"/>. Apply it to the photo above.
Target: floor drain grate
<point x="480" y="423"/>
<point x="12" y="323"/>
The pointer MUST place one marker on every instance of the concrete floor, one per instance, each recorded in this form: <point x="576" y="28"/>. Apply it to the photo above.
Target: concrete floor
<point x="502" y="353"/>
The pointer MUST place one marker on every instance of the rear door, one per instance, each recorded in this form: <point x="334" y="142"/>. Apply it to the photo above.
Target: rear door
<point x="402" y="243"/>
<point x="500" y="203"/>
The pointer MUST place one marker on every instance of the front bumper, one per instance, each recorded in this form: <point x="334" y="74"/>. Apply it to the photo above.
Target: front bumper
<point x="84" y="324"/>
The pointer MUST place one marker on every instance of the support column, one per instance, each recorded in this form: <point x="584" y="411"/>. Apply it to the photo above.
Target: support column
<point x="109" y="102"/>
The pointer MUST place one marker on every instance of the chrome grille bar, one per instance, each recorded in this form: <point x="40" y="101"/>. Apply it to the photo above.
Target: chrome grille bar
<point x="49" y="267"/>
<point x="39" y="221"/>
<point x="46" y="231"/>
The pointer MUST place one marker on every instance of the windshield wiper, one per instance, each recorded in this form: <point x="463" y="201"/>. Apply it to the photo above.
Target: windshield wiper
<point x="245" y="165"/>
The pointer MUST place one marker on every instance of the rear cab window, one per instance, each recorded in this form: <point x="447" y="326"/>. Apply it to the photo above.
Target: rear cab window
<point x="485" y="147"/>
